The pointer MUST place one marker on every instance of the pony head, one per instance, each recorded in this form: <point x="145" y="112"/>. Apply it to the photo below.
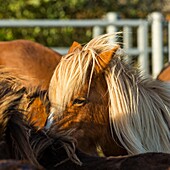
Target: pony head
<point x="107" y="102"/>
<point x="75" y="91"/>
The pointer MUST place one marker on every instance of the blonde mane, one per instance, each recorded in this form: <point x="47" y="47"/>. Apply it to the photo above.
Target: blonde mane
<point x="139" y="108"/>
<point x="75" y="66"/>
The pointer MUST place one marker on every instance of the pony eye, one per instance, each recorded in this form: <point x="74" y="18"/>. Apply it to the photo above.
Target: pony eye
<point x="79" y="101"/>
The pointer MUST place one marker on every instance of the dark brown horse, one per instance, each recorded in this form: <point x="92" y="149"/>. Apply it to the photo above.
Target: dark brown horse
<point x="17" y="165"/>
<point x="164" y="75"/>
<point x="38" y="149"/>
<point x="109" y="103"/>
<point x="34" y="62"/>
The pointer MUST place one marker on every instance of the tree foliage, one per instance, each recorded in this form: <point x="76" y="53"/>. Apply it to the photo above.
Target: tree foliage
<point x="67" y="9"/>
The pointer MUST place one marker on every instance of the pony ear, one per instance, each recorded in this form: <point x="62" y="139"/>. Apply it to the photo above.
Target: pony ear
<point x="104" y="58"/>
<point x="74" y="46"/>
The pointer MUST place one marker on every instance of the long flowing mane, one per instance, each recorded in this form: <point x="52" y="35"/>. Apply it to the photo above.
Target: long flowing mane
<point x="139" y="107"/>
<point x="76" y="66"/>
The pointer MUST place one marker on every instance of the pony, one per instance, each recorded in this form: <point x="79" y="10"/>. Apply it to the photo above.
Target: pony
<point x="164" y="75"/>
<point x="109" y="104"/>
<point x="34" y="104"/>
<point x="22" y="146"/>
<point x="14" y="140"/>
<point x="31" y="60"/>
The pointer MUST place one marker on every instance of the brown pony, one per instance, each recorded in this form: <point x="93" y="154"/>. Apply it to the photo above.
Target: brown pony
<point x="34" y="104"/>
<point x="108" y="103"/>
<point x="164" y="75"/>
<point x="24" y="147"/>
<point x="19" y="140"/>
<point x="31" y="60"/>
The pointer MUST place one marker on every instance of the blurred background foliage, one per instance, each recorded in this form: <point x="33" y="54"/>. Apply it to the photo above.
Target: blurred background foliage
<point x="67" y="9"/>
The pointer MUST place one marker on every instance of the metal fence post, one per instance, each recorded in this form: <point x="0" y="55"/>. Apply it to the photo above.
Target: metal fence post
<point x="127" y="41"/>
<point x="157" y="43"/>
<point x="97" y="30"/>
<point x="143" y="47"/>
<point x="111" y="17"/>
<point x="168" y="41"/>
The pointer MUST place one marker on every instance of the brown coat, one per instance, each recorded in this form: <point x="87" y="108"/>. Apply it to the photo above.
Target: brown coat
<point x="31" y="60"/>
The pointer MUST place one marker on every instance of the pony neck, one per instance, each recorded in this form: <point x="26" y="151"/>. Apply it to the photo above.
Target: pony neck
<point x="139" y="110"/>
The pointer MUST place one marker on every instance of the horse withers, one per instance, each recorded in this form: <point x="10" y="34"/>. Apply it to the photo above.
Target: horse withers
<point x="33" y="61"/>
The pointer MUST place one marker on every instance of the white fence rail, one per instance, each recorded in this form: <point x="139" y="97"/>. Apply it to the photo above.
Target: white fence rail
<point x="112" y="24"/>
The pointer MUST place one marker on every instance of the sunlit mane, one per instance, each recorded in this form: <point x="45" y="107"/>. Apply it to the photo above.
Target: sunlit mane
<point x="139" y="110"/>
<point x="70" y="75"/>
<point x="139" y="107"/>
